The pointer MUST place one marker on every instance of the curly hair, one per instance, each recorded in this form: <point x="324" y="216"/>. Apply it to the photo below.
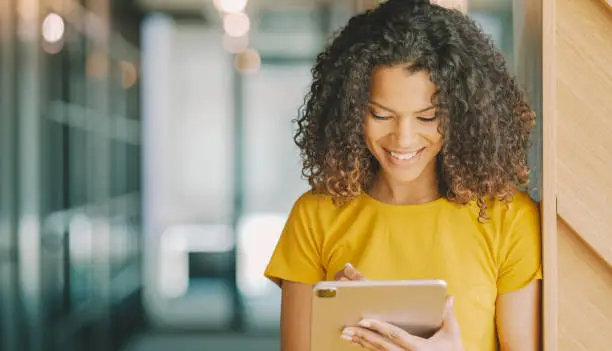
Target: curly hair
<point x="485" y="120"/>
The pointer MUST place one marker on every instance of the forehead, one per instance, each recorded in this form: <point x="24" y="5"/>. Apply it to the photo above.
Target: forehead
<point x="401" y="90"/>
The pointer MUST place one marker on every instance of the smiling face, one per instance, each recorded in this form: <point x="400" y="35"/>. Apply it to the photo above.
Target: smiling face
<point x="401" y="126"/>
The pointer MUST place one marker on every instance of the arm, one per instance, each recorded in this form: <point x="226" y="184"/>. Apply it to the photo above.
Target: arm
<point x="295" y="310"/>
<point x="295" y="265"/>
<point x="519" y="281"/>
<point x="518" y="318"/>
<point x="295" y="316"/>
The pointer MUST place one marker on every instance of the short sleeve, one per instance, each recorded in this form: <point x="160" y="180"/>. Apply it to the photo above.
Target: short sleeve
<point x="297" y="256"/>
<point x="521" y="254"/>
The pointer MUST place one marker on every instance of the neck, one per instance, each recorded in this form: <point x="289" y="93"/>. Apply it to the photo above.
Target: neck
<point x="422" y="190"/>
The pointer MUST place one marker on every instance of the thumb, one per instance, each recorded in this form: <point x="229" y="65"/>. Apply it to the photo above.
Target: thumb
<point x="352" y="273"/>
<point x="450" y="327"/>
<point x="449" y="323"/>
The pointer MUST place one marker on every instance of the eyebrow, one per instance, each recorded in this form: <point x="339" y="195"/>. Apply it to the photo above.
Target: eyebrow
<point x="394" y="112"/>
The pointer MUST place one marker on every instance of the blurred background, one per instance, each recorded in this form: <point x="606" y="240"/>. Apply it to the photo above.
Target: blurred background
<point x="147" y="165"/>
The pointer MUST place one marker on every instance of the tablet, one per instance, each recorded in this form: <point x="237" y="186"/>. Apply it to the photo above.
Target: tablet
<point x="413" y="305"/>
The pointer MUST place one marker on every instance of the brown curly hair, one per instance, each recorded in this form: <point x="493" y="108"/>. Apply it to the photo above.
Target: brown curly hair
<point x="485" y="119"/>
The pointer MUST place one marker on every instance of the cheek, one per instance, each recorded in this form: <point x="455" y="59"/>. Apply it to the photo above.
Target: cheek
<point x="432" y="134"/>
<point x="373" y="132"/>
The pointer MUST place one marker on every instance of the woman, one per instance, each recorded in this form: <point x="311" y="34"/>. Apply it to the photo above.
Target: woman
<point x="414" y="139"/>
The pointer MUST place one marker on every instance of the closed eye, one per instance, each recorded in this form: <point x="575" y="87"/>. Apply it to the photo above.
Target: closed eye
<point x="428" y="119"/>
<point x="379" y="117"/>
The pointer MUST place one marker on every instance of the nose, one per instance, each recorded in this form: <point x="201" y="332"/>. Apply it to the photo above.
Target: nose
<point x="406" y="132"/>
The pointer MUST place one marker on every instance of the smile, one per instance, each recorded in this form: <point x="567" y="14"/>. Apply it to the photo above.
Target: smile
<point x="405" y="156"/>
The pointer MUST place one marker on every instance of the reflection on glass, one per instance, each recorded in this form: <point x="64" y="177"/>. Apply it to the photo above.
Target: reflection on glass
<point x="272" y="165"/>
<point x="257" y="237"/>
<point x="272" y="180"/>
<point x="188" y="158"/>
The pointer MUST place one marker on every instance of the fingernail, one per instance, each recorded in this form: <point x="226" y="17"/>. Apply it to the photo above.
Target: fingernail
<point x="346" y="337"/>
<point x="451" y="299"/>
<point x="348" y="332"/>
<point x="365" y="324"/>
<point x="348" y="265"/>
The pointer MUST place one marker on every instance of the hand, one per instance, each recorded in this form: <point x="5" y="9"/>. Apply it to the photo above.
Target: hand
<point x="380" y="336"/>
<point x="349" y="273"/>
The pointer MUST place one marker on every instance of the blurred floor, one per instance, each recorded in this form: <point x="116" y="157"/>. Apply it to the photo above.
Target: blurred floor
<point x="202" y="342"/>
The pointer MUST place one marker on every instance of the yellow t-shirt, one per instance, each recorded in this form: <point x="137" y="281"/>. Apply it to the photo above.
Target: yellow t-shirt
<point x="436" y="240"/>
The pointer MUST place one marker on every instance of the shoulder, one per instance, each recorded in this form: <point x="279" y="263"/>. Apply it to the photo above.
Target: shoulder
<point x="523" y="202"/>
<point x="313" y="203"/>
<point x="520" y="216"/>
<point x="524" y="213"/>
<point x="519" y="254"/>
<point x="311" y="199"/>
<point x="502" y="211"/>
<point x="519" y="204"/>
<point x="320" y="210"/>
<point x="313" y="207"/>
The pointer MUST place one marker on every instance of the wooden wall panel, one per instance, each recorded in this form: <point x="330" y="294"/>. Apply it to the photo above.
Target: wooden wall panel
<point x="584" y="108"/>
<point x="584" y="149"/>
<point x="550" y="320"/>
<point x="585" y="295"/>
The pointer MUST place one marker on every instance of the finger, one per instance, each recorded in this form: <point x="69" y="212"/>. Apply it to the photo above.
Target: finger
<point x="349" y="272"/>
<point x="341" y="275"/>
<point x="393" y="333"/>
<point x="364" y="343"/>
<point x="352" y="273"/>
<point x="373" y="340"/>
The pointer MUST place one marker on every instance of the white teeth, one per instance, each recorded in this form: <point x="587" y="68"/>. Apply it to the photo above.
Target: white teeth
<point x="404" y="156"/>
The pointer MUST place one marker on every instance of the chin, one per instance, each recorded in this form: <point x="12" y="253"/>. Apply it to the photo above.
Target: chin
<point x="404" y="177"/>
